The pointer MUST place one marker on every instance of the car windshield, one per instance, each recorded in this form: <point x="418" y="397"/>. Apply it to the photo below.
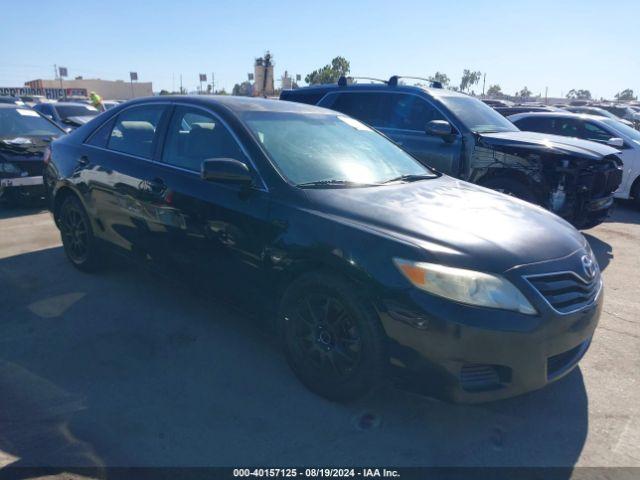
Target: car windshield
<point x="24" y="122"/>
<point x="330" y="149"/>
<point x="476" y="115"/>
<point x="630" y="132"/>
<point x="66" y="111"/>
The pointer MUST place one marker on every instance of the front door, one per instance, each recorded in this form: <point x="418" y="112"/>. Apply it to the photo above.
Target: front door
<point x="402" y="117"/>
<point x="216" y="232"/>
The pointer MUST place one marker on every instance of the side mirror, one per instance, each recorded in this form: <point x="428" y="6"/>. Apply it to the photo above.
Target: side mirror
<point x="615" y="142"/>
<point x="226" y="170"/>
<point x="438" y="128"/>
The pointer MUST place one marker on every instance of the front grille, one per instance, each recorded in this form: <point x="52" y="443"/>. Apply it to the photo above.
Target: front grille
<point x="602" y="178"/>
<point x="558" y="364"/>
<point x="566" y="292"/>
<point x="33" y="169"/>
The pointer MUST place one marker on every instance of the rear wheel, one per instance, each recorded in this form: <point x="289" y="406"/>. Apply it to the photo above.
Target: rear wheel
<point x="510" y="186"/>
<point x="635" y="193"/>
<point x="77" y="235"/>
<point x="332" y="338"/>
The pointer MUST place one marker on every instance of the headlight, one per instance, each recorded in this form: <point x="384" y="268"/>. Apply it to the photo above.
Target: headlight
<point x="465" y="286"/>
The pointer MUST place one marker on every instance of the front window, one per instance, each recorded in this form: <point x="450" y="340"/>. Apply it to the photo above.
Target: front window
<point x="630" y="132"/>
<point x="16" y="122"/>
<point x="310" y="149"/>
<point x="66" y="111"/>
<point x="476" y="115"/>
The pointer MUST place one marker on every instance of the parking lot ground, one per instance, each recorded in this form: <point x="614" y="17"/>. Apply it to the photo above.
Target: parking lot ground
<point x="122" y="368"/>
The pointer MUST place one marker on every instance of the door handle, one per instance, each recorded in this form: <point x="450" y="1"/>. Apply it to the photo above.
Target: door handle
<point x="83" y="160"/>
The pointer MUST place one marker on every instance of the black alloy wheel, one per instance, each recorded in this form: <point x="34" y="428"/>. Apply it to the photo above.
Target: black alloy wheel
<point x="332" y="337"/>
<point x="77" y="236"/>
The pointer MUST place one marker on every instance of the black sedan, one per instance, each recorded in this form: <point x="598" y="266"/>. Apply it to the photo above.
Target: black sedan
<point x="24" y="137"/>
<point x="369" y="261"/>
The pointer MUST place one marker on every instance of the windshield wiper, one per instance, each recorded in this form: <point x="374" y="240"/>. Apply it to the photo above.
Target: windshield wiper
<point x="334" y="182"/>
<point x="410" y="178"/>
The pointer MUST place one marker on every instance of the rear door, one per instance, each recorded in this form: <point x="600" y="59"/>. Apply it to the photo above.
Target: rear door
<point x="118" y="171"/>
<point x="402" y="117"/>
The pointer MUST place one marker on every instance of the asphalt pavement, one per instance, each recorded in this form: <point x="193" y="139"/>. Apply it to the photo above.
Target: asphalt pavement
<point x="125" y="368"/>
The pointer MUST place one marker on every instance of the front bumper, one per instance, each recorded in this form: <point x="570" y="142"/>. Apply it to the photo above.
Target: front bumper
<point x="470" y="354"/>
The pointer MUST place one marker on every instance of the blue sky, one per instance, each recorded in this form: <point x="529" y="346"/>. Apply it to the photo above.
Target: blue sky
<point x="556" y="44"/>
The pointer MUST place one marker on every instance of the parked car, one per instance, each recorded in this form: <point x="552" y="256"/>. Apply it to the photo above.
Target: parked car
<point x="107" y="104"/>
<point x="32" y="100"/>
<point x="24" y="136"/>
<point x="622" y="111"/>
<point x="497" y="103"/>
<point x="369" y="258"/>
<point x="598" y="129"/>
<point x="67" y="114"/>
<point x="506" y="111"/>
<point x="11" y="100"/>
<point x="461" y="136"/>
<point x="600" y="112"/>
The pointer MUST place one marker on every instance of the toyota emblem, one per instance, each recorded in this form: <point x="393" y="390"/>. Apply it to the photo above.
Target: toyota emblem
<point x="589" y="266"/>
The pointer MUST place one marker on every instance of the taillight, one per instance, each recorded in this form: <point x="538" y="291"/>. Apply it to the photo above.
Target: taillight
<point x="46" y="158"/>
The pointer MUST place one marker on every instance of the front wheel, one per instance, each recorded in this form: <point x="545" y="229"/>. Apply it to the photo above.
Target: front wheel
<point x="332" y="338"/>
<point x="77" y="236"/>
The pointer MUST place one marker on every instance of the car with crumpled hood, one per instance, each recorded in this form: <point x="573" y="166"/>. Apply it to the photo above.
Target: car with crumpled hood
<point x="461" y="136"/>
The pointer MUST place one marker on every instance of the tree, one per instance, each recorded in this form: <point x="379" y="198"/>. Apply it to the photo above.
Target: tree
<point x="243" y="89"/>
<point x="524" y="93"/>
<point x="579" y="94"/>
<point x="164" y="92"/>
<point x="338" y="67"/>
<point x="625" y="95"/>
<point x="469" y="79"/>
<point x="494" y="91"/>
<point x="440" y="77"/>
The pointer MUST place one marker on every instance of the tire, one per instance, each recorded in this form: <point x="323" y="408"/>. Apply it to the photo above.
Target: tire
<point x="635" y="194"/>
<point x="332" y="338"/>
<point x="78" y="240"/>
<point x="515" y="188"/>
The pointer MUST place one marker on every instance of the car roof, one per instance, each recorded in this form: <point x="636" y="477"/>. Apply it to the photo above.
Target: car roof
<point x="12" y="105"/>
<point x="72" y="104"/>
<point x="583" y="116"/>
<point x="330" y="87"/>
<point x="238" y="104"/>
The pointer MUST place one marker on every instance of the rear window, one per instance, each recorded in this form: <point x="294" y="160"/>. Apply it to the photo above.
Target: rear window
<point x="66" y="111"/>
<point x="135" y="130"/>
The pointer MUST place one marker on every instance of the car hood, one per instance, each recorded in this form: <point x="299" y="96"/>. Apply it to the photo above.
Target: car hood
<point x="455" y="222"/>
<point x="21" y="148"/>
<point x="549" y="144"/>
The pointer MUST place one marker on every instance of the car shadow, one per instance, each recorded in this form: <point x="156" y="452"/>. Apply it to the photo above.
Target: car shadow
<point x="8" y="210"/>
<point x="625" y="212"/>
<point x="122" y="368"/>
<point x="601" y="249"/>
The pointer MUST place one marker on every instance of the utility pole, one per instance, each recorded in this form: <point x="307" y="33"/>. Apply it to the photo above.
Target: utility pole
<point x="180" y="84"/>
<point x="213" y="84"/>
<point x="484" y="80"/>
<point x="546" y="96"/>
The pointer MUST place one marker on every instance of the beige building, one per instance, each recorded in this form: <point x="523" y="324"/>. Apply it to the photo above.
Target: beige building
<point x="263" y="85"/>
<point x="107" y="89"/>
